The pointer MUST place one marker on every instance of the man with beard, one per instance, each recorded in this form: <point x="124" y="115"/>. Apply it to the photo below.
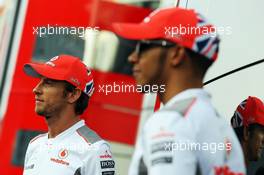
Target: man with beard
<point x="69" y="147"/>
<point x="175" y="48"/>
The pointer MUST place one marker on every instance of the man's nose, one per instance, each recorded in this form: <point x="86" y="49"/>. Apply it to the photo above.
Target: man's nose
<point x="133" y="58"/>
<point x="37" y="88"/>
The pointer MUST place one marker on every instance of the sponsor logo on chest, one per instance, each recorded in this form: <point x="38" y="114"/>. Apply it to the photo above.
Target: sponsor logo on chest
<point x="63" y="154"/>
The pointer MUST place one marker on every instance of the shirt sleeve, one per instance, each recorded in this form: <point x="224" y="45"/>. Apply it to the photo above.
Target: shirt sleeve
<point x="26" y="156"/>
<point x="26" y="162"/>
<point x="100" y="163"/>
<point x="168" y="149"/>
<point x="136" y="166"/>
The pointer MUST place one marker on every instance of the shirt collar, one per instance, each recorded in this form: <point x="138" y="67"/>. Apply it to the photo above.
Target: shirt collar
<point x="70" y="130"/>
<point x="197" y="92"/>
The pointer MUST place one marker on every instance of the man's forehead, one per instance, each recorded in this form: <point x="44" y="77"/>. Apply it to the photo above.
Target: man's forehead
<point x="259" y="128"/>
<point x="52" y="80"/>
<point x="45" y="78"/>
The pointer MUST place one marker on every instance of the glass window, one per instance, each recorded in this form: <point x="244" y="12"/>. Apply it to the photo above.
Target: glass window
<point x="21" y="143"/>
<point x="48" y="46"/>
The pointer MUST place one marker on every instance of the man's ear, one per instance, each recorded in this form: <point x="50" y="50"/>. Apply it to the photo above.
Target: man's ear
<point x="245" y="133"/>
<point x="74" y="96"/>
<point x="177" y="55"/>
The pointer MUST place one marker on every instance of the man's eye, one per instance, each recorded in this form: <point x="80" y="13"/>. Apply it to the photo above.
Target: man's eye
<point x="48" y="82"/>
<point x="146" y="47"/>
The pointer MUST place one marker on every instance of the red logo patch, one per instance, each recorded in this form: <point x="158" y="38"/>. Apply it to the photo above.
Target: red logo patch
<point x="63" y="153"/>
<point x="106" y="155"/>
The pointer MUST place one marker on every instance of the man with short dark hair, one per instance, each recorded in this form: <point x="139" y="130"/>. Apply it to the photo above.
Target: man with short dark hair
<point x="248" y="123"/>
<point x="69" y="147"/>
<point x="186" y="136"/>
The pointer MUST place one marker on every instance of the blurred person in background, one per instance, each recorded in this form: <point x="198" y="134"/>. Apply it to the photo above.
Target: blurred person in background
<point x="170" y="53"/>
<point x="248" y="123"/>
<point x="69" y="147"/>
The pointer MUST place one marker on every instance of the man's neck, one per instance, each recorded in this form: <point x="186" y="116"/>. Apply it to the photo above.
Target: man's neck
<point x="57" y="125"/>
<point x="172" y="89"/>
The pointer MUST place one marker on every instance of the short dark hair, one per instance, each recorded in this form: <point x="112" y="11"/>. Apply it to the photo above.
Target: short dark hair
<point x="82" y="102"/>
<point x="200" y="63"/>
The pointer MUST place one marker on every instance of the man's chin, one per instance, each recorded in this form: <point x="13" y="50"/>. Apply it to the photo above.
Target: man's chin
<point x="40" y="113"/>
<point x="141" y="83"/>
<point x="43" y="114"/>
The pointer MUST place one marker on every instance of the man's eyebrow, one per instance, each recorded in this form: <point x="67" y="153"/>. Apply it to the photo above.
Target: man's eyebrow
<point x="51" y="80"/>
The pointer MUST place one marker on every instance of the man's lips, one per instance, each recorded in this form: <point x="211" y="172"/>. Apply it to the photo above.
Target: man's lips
<point x="37" y="100"/>
<point x="136" y="72"/>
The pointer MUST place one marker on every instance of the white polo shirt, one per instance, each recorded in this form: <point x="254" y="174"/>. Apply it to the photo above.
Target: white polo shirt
<point x="187" y="137"/>
<point x="76" y="151"/>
